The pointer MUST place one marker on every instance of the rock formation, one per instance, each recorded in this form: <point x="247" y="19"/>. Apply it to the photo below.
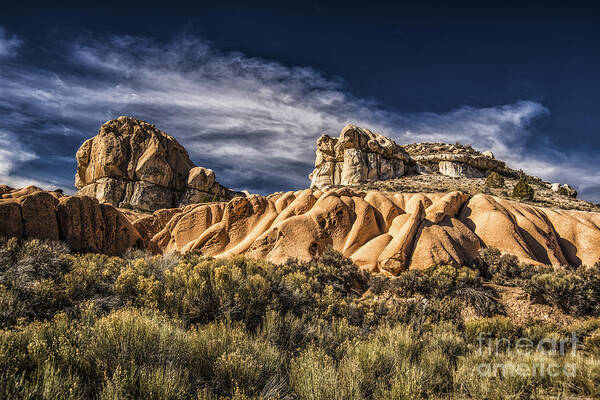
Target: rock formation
<point x="82" y="222"/>
<point x="563" y="189"/>
<point x="455" y="161"/>
<point x="130" y="163"/>
<point x="358" y="155"/>
<point x="383" y="232"/>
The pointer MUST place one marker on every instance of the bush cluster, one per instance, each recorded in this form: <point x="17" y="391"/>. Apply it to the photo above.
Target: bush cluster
<point x="523" y="190"/>
<point x="88" y="326"/>
<point x="574" y="290"/>
<point x="494" y="180"/>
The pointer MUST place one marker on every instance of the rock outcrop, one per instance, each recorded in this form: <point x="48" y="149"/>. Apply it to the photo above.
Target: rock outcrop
<point x="453" y="160"/>
<point x="380" y="231"/>
<point x="383" y="232"/>
<point x="130" y="163"/>
<point x="563" y="189"/>
<point x="358" y="155"/>
<point x="80" y="221"/>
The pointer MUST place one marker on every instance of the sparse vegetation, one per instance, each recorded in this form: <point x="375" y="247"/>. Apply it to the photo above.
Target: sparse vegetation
<point x="494" y="180"/>
<point x="523" y="190"/>
<point x="437" y="183"/>
<point x="89" y="326"/>
<point x="575" y="291"/>
<point x="566" y="191"/>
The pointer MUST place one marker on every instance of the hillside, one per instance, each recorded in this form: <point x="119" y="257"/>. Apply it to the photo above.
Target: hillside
<point x="401" y="274"/>
<point x="436" y="207"/>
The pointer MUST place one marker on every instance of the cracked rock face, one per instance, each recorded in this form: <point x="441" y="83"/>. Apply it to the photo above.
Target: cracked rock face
<point x="358" y="155"/>
<point x="132" y="163"/>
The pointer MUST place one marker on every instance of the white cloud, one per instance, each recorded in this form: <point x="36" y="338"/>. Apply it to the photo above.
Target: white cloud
<point x="254" y="121"/>
<point x="8" y="45"/>
<point x="12" y="156"/>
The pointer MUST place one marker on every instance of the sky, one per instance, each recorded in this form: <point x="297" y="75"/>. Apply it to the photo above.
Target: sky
<point x="248" y="89"/>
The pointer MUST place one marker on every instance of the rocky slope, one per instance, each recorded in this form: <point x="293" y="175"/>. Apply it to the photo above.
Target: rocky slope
<point x="163" y="197"/>
<point x="359" y="156"/>
<point x="381" y="231"/>
<point x="130" y="163"/>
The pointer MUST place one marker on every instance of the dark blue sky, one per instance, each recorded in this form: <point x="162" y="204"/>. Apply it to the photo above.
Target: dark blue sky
<point x="521" y="79"/>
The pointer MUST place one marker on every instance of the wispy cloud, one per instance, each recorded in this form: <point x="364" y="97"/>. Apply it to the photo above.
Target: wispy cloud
<point x="254" y="121"/>
<point x="8" y="44"/>
<point x="11" y="157"/>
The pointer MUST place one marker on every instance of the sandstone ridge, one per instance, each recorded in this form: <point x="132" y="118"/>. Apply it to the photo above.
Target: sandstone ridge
<point x="131" y="163"/>
<point x="382" y="232"/>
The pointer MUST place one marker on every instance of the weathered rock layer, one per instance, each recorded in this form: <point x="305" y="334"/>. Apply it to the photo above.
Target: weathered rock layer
<point x="360" y="155"/>
<point x="80" y="221"/>
<point x="381" y="231"/>
<point x="132" y="163"/>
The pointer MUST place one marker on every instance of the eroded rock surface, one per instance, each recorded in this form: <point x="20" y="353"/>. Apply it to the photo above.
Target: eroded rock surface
<point x="358" y="155"/>
<point x="131" y="163"/>
<point x="454" y="160"/>
<point x="382" y="232"/>
<point x="80" y="221"/>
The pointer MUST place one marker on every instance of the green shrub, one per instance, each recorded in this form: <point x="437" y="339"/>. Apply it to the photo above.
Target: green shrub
<point x="574" y="292"/>
<point x="497" y="327"/>
<point x="314" y="376"/>
<point x="133" y="354"/>
<point x="31" y="276"/>
<point x="505" y="269"/>
<point x="592" y="342"/>
<point x="567" y="191"/>
<point x="494" y="180"/>
<point x="523" y="190"/>
<point x="480" y="376"/>
<point x="80" y="326"/>
<point x="446" y="281"/>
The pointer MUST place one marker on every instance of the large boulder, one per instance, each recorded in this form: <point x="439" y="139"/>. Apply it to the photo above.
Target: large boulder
<point x="39" y="215"/>
<point x="358" y="155"/>
<point x="131" y="163"/>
